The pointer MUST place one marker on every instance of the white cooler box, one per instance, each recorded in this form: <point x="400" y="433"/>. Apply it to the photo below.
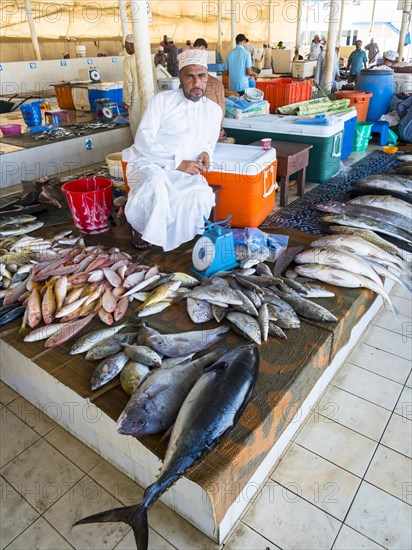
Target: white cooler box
<point x="303" y="69"/>
<point x="324" y="157"/>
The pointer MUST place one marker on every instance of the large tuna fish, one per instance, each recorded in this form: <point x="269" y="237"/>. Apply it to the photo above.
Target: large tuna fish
<point x="210" y="410"/>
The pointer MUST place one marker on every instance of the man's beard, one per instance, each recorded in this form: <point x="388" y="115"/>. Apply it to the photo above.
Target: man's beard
<point x="192" y="98"/>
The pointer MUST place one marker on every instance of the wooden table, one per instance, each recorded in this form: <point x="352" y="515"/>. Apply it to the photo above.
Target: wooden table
<point x="292" y="158"/>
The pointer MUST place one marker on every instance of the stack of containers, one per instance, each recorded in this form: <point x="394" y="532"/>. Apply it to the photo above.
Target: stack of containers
<point x="283" y="91"/>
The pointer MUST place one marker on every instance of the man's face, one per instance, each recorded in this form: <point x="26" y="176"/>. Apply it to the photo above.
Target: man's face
<point x="129" y="47"/>
<point x="193" y="79"/>
<point x="358" y="44"/>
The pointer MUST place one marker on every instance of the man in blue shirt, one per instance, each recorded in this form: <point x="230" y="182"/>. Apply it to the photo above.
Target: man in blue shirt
<point x="356" y="59"/>
<point x="239" y="66"/>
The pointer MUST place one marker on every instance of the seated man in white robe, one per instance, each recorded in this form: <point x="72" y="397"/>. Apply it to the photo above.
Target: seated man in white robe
<point x="173" y="147"/>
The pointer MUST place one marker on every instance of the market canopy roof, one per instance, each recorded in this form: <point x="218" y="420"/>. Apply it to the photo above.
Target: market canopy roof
<point x="181" y="19"/>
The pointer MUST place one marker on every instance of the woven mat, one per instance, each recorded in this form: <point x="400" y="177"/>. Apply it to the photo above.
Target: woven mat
<point x="301" y="214"/>
<point x="288" y="371"/>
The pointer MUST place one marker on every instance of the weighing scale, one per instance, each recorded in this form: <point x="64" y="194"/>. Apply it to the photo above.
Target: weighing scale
<point x="106" y="108"/>
<point x="94" y="75"/>
<point x="215" y="250"/>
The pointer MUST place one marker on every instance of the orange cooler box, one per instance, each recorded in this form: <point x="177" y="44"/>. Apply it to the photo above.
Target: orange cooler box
<point x="248" y="177"/>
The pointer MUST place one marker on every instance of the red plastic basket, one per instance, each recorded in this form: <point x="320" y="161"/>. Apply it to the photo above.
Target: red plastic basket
<point x="283" y="91"/>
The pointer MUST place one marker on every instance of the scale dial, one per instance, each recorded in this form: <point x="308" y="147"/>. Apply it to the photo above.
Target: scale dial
<point x="203" y="253"/>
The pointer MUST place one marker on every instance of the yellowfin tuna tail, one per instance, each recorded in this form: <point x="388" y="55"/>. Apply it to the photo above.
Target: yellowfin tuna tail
<point x="135" y="516"/>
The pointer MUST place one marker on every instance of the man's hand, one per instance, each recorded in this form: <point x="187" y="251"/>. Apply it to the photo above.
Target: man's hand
<point x="191" y="167"/>
<point x="125" y="107"/>
<point x="204" y="160"/>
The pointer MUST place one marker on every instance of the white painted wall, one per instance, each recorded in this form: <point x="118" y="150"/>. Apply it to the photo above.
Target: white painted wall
<point x="37" y="76"/>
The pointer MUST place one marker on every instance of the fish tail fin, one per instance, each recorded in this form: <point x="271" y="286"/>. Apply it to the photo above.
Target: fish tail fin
<point x="135" y="516"/>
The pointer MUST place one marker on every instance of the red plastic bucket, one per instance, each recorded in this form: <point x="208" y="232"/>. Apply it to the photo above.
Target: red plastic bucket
<point x="90" y="202"/>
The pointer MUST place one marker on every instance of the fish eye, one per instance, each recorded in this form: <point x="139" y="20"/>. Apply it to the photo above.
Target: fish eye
<point x="141" y="422"/>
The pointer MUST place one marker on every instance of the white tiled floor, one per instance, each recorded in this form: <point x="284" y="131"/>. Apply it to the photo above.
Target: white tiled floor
<point x="345" y="482"/>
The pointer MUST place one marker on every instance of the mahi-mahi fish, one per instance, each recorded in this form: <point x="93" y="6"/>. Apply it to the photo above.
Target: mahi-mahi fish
<point x="211" y="409"/>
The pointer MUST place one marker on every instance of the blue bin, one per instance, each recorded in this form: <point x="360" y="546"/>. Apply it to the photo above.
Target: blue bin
<point x="382" y="85"/>
<point x="349" y="130"/>
<point x="216" y="68"/>
<point x="32" y="113"/>
<point x="112" y="90"/>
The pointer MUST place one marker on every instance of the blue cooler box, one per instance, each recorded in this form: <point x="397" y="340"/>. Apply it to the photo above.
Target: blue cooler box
<point x="112" y="90"/>
<point x="349" y="129"/>
<point x="326" y="140"/>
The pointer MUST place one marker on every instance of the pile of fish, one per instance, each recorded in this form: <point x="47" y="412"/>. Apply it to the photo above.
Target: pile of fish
<point x="13" y="226"/>
<point x="64" y="284"/>
<point x="351" y="261"/>
<point x="17" y="258"/>
<point x="137" y="355"/>
<point x="258" y="302"/>
<point x="210" y="410"/>
<point x="383" y="204"/>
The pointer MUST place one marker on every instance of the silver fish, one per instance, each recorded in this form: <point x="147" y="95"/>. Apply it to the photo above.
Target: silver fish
<point x="200" y="311"/>
<point x="367" y="223"/>
<point x="317" y="291"/>
<point x="93" y="338"/>
<point x="21" y="229"/>
<point x="110" y="346"/>
<point x="346" y="279"/>
<point x="176" y="345"/>
<point x="216" y="293"/>
<point x="386" y="202"/>
<point x="306" y="308"/>
<point x="387" y="183"/>
<point x="263" y="319"/>
<point x="281" y="312"/>
<point x="380" y="215"/>
<point x="143" y="354"/>
<point x="246" y="325"/>
<point x="338" y="259"/>
<point x="275" y="330"/>
<point x="132" y="375"/>
<point x="218" y="312"/>
<point x="107" y="369"/>
<point x="358" y="246"/>
<point x="17" y="220"/>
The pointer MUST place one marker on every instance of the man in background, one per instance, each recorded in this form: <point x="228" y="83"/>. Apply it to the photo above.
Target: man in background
<point x="250" y="48"/>
<point x="356" y="59"/>
<point x="130" y="93"/>
<point x="187" y="46"/>
<point x="320" y="68"/>
<point x="315" y="48"/>
<point x="267" y="57"/>
<point x="172" y="53"/>
<point x="160" y="57"/>
<point x="373" y="49"/>
<point x="239" y="66"/>
<point x="214" y="89"/>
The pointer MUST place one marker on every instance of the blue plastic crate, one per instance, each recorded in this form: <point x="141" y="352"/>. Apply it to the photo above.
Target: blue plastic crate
<point x="113" y="91"/>
<point x="216" y="68"/>
<point x="349" y="129"/>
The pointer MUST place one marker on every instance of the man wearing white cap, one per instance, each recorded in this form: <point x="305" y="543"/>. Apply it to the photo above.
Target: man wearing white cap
<point x="130" y="93"/>
<point x="160" y="58"/>
<point x="173" y="147"/>
<point x="389" y="60"/>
